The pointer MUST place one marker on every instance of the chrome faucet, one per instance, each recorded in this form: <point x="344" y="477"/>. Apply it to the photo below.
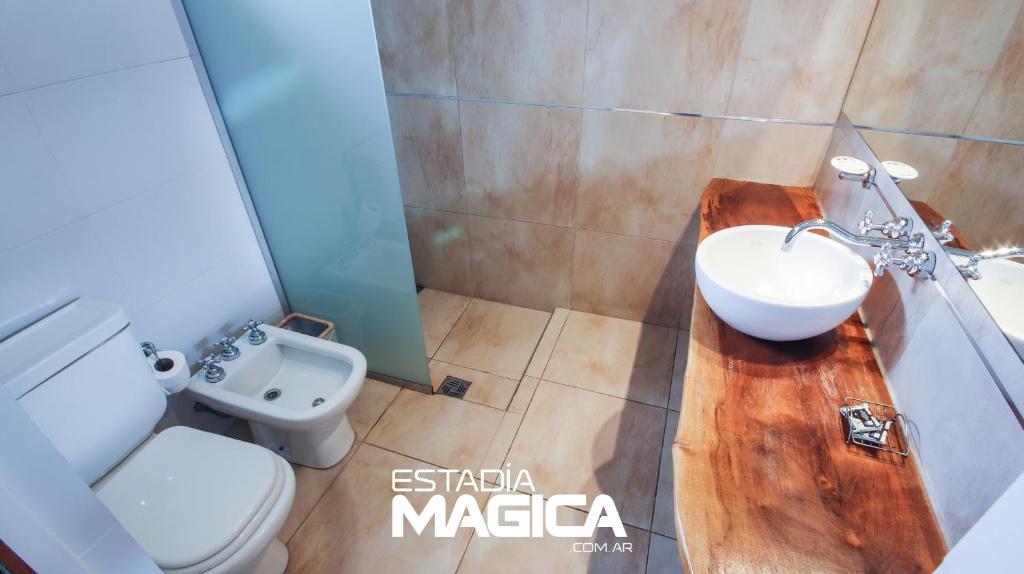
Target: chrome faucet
<point x="214" y="372"/>
<point x="970" y="269"/>
<point x="229" y="351"/>
<point x="256" y="335"/>
<point x="944" y="232"/>
<point x="915" y="260"/>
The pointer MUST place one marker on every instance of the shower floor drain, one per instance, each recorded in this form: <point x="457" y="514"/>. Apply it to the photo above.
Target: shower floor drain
<point x="454" y="387"/>
<point x="272" y="394"/>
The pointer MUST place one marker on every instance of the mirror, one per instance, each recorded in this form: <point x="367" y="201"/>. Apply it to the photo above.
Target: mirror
<point x="939" y="89"/>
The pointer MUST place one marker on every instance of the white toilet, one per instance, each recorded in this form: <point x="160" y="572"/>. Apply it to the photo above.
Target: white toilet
<point x="294" y="390"/>
<point x="195" y="501"/>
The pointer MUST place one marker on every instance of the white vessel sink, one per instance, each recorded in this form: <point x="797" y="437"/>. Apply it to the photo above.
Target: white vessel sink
<point x="759" y="289"/>
<point x="999" y="289"/>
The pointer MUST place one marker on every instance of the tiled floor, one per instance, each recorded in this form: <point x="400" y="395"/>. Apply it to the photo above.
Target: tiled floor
<point x="587" y="404"/>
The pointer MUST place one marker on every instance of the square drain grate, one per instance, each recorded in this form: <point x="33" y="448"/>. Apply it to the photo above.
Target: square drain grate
<point x="454" y="387"/>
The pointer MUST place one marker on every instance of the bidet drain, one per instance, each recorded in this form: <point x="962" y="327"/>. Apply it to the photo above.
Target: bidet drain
<point x="272" y="394"/>
<point x="318" y="401"/>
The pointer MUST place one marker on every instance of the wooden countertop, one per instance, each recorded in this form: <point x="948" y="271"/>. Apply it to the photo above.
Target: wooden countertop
<point x="763" y="478"/>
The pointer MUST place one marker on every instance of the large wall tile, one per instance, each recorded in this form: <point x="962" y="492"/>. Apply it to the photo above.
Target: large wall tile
<point x="797" y="58"/>
<point x="52" y="270"/>
<point x="415" y="45"/>
<point x="50" y="41"/>
<point x="643" y="174"/>
<point x="981" y="193"/>
<point x="519" y="263"/>
<point x="632" y="278"/>
<point x="664" y="56"/>
<point x="520" y="49"/>
<point x="439" y="241"/>
<point x="931" y="58"/>
<point x="428" y="147"/>
<point x="783" y="154"/>
<point x="160" y="238"/>
<point x="33" y="188"/>
<point x="997" y="114"/>
<point x="929" y="155"/>
<point x="117" y="135"/>
<point x="521" y="162"/>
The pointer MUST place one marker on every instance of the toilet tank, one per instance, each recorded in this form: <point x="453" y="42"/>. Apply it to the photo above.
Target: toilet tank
<point x="80" y="375"/>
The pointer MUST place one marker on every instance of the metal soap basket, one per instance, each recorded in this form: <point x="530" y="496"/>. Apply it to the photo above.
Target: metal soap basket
<point x="896" y="438"/>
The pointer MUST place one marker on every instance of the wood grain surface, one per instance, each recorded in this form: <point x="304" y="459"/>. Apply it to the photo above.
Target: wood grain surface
<point x="764" y="481"/>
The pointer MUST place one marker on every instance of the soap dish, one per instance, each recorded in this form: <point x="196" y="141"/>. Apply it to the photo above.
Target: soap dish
<point x="874" y="425"/>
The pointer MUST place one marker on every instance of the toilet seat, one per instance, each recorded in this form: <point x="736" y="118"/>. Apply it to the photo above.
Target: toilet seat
<point x="195" y="500"/>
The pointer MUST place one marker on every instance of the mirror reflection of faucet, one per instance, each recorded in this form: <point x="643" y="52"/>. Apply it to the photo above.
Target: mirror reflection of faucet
<point x="970" y="269"/>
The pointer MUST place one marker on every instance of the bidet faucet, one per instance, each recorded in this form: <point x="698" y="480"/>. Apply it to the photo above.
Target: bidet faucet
<point x="256" y="336"/>
<point x="970" y="269"/>
<point x="229" y="351"/>
<point x="916" y="260"/>
<point x="214" y="372"/>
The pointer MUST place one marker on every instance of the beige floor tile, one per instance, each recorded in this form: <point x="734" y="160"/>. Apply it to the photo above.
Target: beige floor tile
<point x="439" y="310"/>
<point x="371" y="403"/>
<point x="494" y="338"/>
<point x="666" y="471"/>
<point x="350" y="529"/>
<point x="675" y="395"/>
<point x="550" y="554"/>
<point x="616" y="357"/>
<point x="310" y="485"/>
<point x="664" y="522"/>
<point x="579" y="442"/>
<point x="547" y="343"/>
<point x="523" y="396"/>
<point x="496" y="453"/>
<point x="664" y="556"/>
<point x="448" y="432"/>
<point x="487" y="389"/>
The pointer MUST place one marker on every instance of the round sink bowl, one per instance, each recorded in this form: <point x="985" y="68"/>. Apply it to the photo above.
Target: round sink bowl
<point x="999" y="289"/>
<point x="759" y="289"/>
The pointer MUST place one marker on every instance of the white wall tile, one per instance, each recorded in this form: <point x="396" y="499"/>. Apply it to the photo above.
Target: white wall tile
<point x="53" y="269"/>
<point x="117" y="551"/>
<point x="31" y="184"/>
<point x="164" y="237"/>
<point x="120" y="134"/>
<point x="50" y="41"/>
<point x="193" y="317"/>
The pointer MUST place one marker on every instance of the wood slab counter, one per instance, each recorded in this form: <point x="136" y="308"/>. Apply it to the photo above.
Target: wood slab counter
<point x="764" y="481"/>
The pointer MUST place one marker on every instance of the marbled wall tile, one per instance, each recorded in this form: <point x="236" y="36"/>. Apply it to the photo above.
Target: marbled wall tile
<point x="643" y="174"/>
<point x="439" y="241"/>
<point x="931" y="58"/>
<point x="665" y="56"/>
<point x="929" y="155"/>
<point x="520" y="263"/>
<point x="783" y="154"/>
<point x="415" y="46"/>
<point x="520" y="49"/>
<point x="632" y="278"/>
<point x="981" y="193"/>
<point x="797" y="58"/>
<point x="998" y="113"/>
<point x="521" y="162"/>
<point x="428" y="147"/>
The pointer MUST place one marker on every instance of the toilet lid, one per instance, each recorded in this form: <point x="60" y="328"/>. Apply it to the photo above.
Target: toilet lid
<point x="186" y="494"/>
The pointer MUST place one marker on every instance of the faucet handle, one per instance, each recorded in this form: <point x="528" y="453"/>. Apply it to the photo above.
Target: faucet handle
<point x="229" y="352"/>
<point x="256" y="335"/>
<point x="214" y="373"/>
<point x="944" y="232"/>
<point x="883" y="258"/>
<point x="893" y="229"/>
<point x="970" y="269"/>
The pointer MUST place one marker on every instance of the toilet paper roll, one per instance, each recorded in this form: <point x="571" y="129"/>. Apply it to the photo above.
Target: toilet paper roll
<point x="174" y="377"/>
